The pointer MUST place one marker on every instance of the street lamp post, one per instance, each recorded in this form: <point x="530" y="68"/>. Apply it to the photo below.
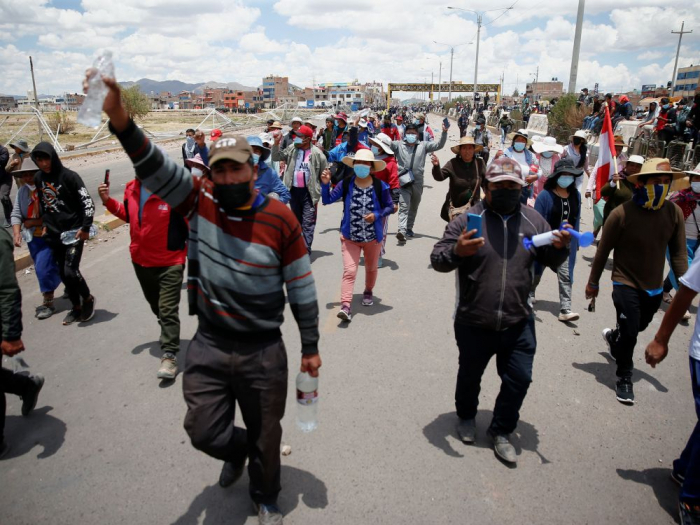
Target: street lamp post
<point x="452" y="56"/>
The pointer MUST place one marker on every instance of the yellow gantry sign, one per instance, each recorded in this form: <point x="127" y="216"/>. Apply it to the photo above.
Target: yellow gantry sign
<point x="431" y="88"/>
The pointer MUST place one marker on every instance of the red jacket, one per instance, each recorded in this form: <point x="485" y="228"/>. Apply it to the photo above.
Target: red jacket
<point x="159" y="239"/>
<point x="392" y="131"/>
<point x="390" y="174"/>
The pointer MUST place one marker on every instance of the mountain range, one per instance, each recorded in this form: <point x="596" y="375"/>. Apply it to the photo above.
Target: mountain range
<point x="175" y="86"/>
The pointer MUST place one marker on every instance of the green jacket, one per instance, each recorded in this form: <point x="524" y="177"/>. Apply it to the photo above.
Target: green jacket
<point x="10" y="294"/>
<point x="317" y="162"/>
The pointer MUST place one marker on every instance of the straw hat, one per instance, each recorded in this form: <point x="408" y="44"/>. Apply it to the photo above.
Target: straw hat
<point x="28" y="166"/>
<point x="547" y="144"/>
<point x="692" y="173"/>
<point x="656" y="166"/>
<point x="383" y="142"/>
<point x="365" y="155"/>
<point x="620" y="141"/>
<point x="275" y="125"/>
<point x="468" y="141"/>
<point x="580" y="134"/>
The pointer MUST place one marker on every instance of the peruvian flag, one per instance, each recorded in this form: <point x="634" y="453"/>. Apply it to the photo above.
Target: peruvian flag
<point x="606" y="164"/>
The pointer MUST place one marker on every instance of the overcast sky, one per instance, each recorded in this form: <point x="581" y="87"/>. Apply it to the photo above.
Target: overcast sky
<point x="626" y="43"/>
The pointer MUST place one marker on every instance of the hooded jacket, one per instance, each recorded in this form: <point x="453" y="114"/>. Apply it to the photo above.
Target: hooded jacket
<point x="65" y="201"/>
<point x="494" y="283"/>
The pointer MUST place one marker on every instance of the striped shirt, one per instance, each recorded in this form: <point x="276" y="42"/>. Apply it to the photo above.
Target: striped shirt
<point x="239" y="264"/>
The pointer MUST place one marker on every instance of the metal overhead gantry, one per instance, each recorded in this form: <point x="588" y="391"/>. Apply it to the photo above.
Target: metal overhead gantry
<point x="431" y="88"/>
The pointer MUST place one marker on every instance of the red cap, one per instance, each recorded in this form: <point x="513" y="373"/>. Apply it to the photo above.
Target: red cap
<point x="306" y="131"/>
<point x="215" y="134"/>
<point x="399" y="117"/>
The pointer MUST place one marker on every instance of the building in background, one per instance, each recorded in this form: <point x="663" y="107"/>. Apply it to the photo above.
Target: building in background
<point x="544" y="90"/>
<point x="687" y="81"/>
<point x="7" y="103"/>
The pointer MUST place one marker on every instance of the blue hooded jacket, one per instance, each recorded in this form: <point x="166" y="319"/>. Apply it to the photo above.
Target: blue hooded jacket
<point x="269" y="182"/>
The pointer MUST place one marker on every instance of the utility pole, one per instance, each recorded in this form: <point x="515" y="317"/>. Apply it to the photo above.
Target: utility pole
<point x="537" y="75"/>
<point x="440" y="83"/>
<point x="675" y="66"/>
<point x="36" y="98"/>
<point x="577" y="47"/>
<point x="476" y="63"/>
<point x="432" y="84"/>
<point x="452" y="56"/>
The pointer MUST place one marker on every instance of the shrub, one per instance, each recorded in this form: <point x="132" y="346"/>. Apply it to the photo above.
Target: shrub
<point x="135" y="102"/>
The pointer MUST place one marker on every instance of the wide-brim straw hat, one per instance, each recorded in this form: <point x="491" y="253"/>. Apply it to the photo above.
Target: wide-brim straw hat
<point x="619" y="140"/>
<point x="547" y="144"/>
<point x="656" y="166"/>
<point x="383" y="141"/>
<point x="365" y="155"/>
<point x="580" y="134"/>
<point x="692" y="173"/>
<point x="28" y="166"/>
<point x="197" y="162"/>
<point x="466" y="141"/>
<point x="275" y="125"/>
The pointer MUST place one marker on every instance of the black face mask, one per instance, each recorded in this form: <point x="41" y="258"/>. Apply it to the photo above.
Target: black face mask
<point x="504" y="200"/>
<point x="232" y="196"/>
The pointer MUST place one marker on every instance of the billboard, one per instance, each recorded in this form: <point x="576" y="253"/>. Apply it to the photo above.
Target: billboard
<point x="309" y="103"/>
<point x="648" y="89"/>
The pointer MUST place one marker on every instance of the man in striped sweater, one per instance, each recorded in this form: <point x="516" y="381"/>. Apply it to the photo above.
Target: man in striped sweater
<point x="244" y="248"/>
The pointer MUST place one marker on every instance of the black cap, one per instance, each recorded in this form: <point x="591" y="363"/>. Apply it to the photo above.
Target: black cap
<point x="411" y="126"/>
<point x="566" y="165"/>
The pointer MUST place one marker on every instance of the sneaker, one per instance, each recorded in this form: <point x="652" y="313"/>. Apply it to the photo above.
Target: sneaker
<point x="72" y="317"/>
<point x="667" y="297"/>
<point x="345" y="314"/>
<point x="607" y="336"/>
<point x="409" y="233"/>
<point x="4" y="449"/>
<point x="380" y="263"/>
<point x="168" y="366"/>
<point x="624" y="391"/>
<point x="466" y="430"/>
<point x="689" y="513"/>
<point x="44" y="311"/>
<point x="567" y="315"/>
<point x="677" y="477"/>
<point x="269" y="514"/>
<point x="503" y="447"/>
<point x="231" y="472"/>
<point x="367" y="299"/>
<point x="29" y="400"/>
<point x="686" y="316"/>
<point x="401" y="237"/>
<point x="88" y="309"/>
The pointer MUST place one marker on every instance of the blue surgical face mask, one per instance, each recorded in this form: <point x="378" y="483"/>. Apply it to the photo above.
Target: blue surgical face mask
<point x="695" y="186"/>
<point x="547" y="154"/>
<point x="411" y="138"/>
<point x="375" y="150"/>
<point x="361" y="171"/>
<point x="335" y="122"/>
<point x="519" y="146"/>
<point x="416" y="122"/>
<point x="256" y="158"/>
<point x="565" y="181"/>
<point x="298" y="140"/>
<point x="190" y="141"/>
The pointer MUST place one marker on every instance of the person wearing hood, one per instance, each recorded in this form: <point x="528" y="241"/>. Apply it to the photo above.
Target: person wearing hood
<point x="268" y="182"/>
<point x="381" y="148"/>
<point x="66" y="207"/>
<point x="639" y="232"/>
<point x="464" y="171"/>
<point x="560" y="203"/>
<point x="244" y="250"/>
<point x="410" y="156"/>
<point x="27" y="224"/>
<point x="158" y="251"/>
<point x="577" y="150"/>
<point x="5" y="186"/>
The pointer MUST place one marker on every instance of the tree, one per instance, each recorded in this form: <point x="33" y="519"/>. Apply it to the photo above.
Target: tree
<point x="567" y="113"/>
<point x="135" y="102"/>
<point x="516" y="93"/>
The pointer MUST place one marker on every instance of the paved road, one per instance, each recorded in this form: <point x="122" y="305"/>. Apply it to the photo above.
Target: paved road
<point x="106" y="443"/>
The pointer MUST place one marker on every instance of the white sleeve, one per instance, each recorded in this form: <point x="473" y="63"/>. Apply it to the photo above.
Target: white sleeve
<point x="691" y="278"/>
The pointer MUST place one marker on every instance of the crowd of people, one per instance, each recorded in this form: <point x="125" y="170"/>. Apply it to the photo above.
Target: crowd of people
<point x="240" y="214"/>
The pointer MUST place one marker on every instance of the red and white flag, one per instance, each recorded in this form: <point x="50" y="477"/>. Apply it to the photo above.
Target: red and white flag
<point x="606" y="165"/>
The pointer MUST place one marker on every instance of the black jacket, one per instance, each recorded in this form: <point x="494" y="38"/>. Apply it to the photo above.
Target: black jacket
<point x="65" y="201"/>
<point x="495" y="282"/>
<point x="10" y="294"/>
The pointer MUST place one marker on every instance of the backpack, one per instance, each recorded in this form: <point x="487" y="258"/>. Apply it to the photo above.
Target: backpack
<point x="376" y="184"/>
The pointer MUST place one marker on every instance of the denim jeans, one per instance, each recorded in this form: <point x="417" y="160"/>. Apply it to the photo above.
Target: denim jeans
<point x="689" y="462"/>
<point x="564" y="278"/>
<point x="514" y="349"/>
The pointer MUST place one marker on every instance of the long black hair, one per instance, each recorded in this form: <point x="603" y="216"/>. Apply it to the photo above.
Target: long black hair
<point x="583" y="149"/>
<point x="551" y="182"/>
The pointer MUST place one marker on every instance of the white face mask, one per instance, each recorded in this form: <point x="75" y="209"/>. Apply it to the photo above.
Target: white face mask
<point x="695" y="186"/>
<point x="33" y="186"/>
<point x="197" y="172"/>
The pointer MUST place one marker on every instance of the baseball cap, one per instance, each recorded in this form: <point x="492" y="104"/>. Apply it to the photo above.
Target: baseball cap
<point x="215" y="134"/>
<point x="505" y="169"/>
<point x="233" y="147"/>
<point x="304" y="131"/>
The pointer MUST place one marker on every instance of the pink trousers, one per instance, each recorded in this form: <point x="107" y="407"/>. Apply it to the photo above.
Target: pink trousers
<point x="351" y="259"/>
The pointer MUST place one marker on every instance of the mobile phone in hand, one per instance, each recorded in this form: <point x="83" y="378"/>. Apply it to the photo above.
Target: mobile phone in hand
<point x="474" y="223"/>
<point x="446" y="122"/>
<point x="107" y="177"/>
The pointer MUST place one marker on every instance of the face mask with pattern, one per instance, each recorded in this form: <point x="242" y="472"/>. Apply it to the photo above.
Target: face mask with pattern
<point x="651" y="196"/>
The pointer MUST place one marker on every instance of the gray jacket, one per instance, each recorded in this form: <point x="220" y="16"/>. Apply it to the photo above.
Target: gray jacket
<point x="404" y="152"/>
<point x="317" y="163"/>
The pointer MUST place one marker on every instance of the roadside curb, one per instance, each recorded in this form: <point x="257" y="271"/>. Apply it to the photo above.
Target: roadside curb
<point x="106" y="222"/>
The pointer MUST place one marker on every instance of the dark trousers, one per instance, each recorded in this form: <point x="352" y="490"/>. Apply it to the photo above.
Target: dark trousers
<point x="5" y="189"/>
<point x="514" y="349"/>
<point x="689" y="462"/>
<point x="162" y="286"/>
<point x="635" y="310"/>
<point x="11" y="383"/>
<point x="68" y="261"/>
<point x="303" y="208"/>
<point x="221" y="370"/>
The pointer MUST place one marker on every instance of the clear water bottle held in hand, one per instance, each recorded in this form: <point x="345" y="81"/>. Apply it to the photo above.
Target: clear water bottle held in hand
<point x="307" y="402"/>
<point x="90" y="113"/>
<point x="68" y="238"/>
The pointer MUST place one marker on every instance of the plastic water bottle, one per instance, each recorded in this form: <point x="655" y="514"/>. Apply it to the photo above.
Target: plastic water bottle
<point x="68" y="238"/>
<point x="90" y="113"/>
<point x="307" y="402"/>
